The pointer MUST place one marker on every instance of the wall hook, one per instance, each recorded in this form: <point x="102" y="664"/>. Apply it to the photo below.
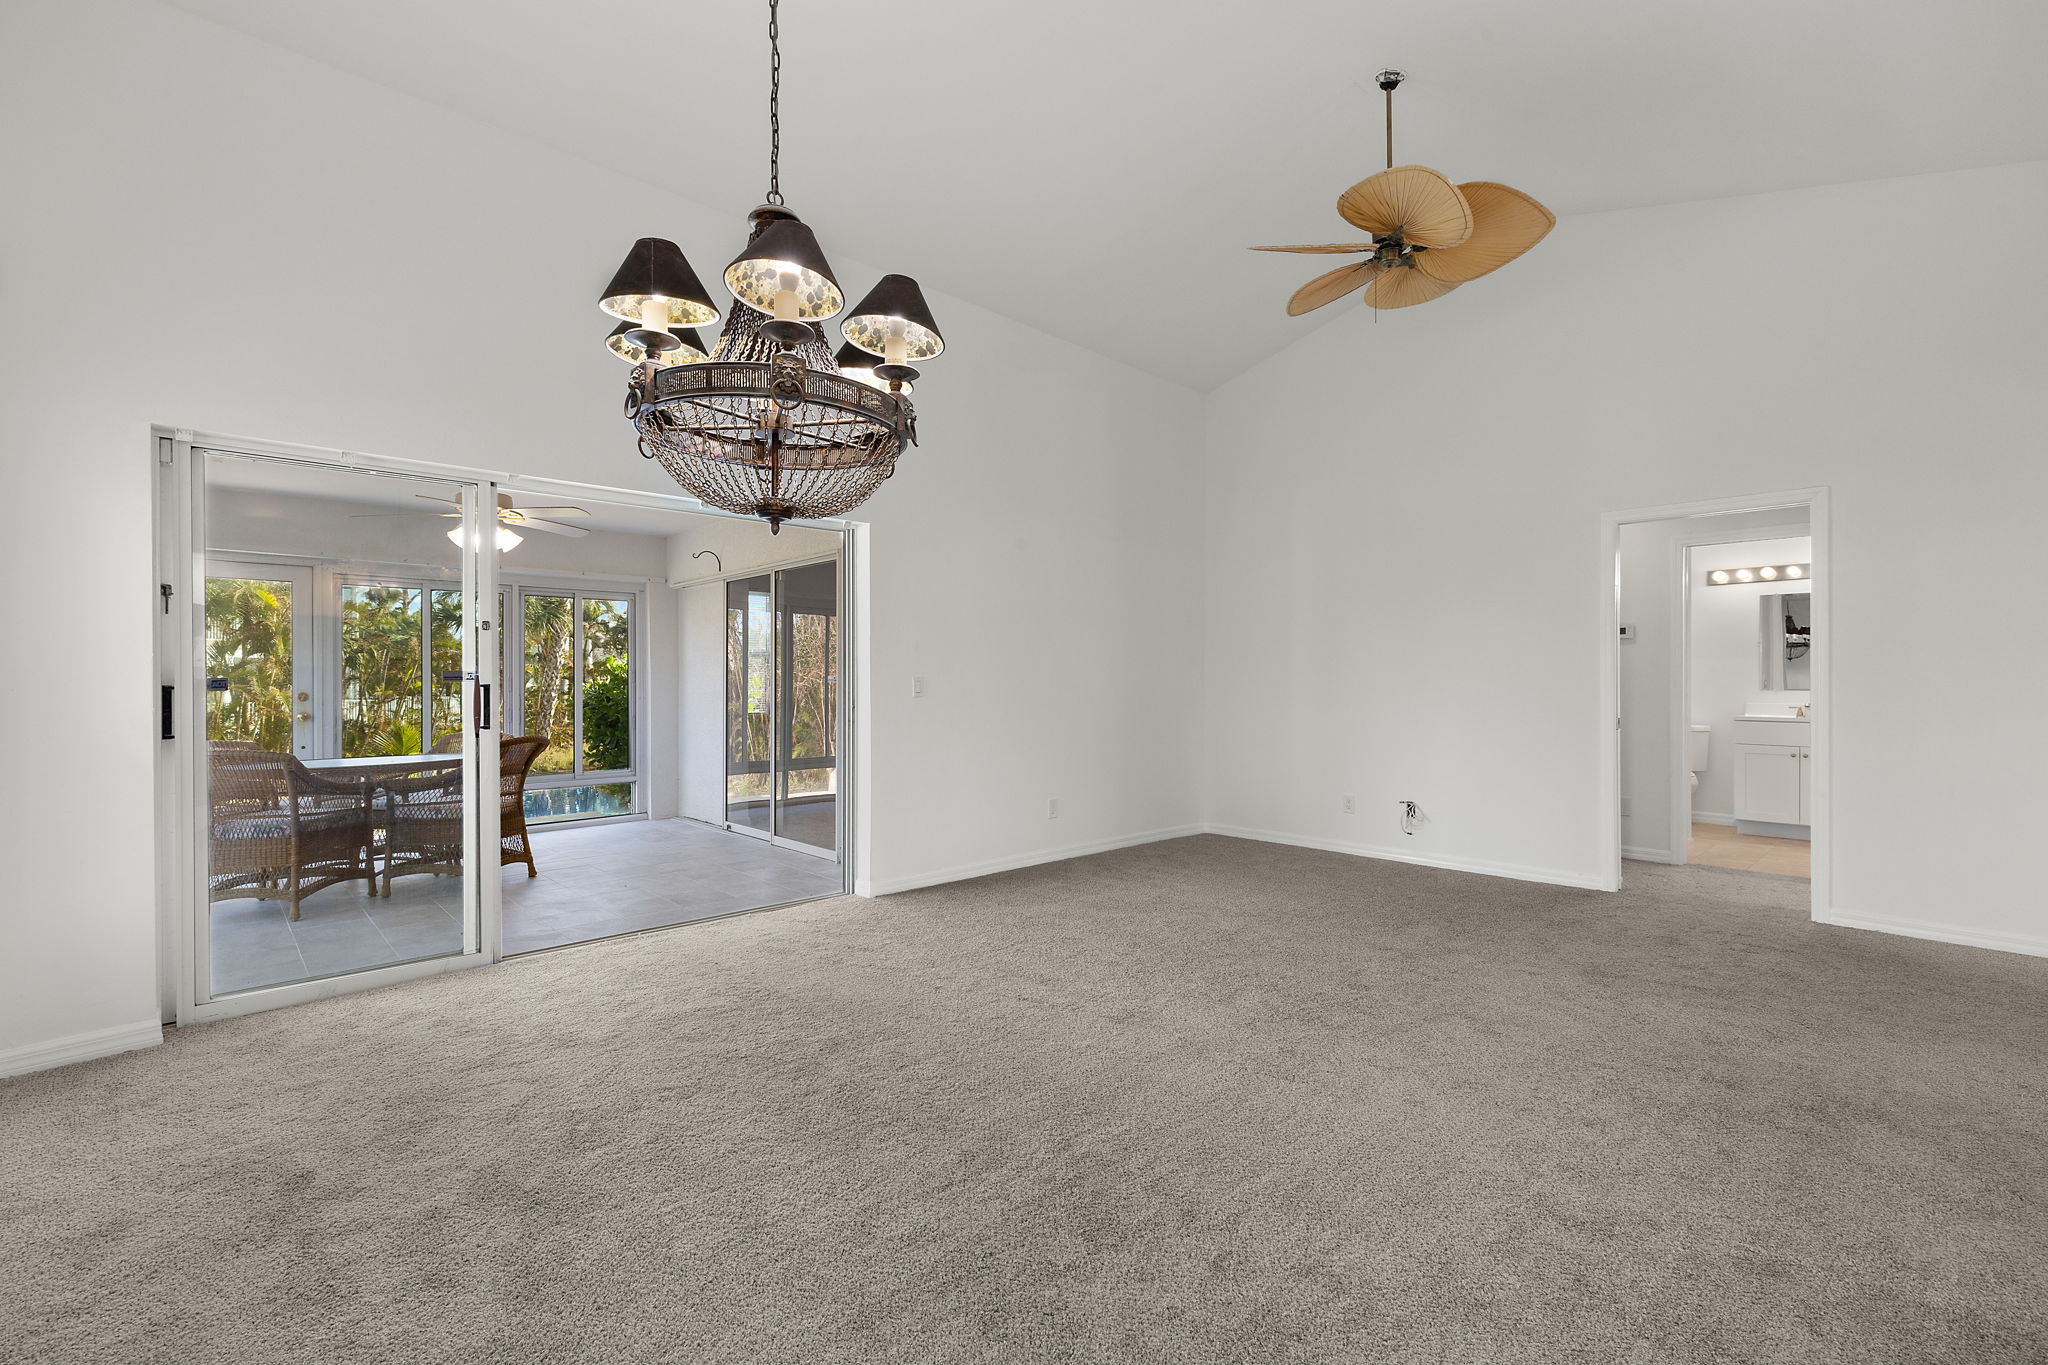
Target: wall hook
<point x="714" y="558"/>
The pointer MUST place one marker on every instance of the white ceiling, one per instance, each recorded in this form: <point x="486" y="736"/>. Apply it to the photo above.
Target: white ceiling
<point x="1097" y="167"/>
<point x="389" y="492"/>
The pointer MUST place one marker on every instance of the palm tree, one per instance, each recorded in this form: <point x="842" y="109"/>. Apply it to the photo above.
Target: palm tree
<point x="550" y="627"/>
<point x="249" y="648"/>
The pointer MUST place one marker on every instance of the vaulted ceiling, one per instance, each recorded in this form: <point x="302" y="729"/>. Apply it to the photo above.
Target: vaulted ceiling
<point x="1097" y="167"/>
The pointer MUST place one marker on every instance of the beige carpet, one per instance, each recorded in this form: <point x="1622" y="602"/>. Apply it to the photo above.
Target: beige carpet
<point x="1202" y="1101"/>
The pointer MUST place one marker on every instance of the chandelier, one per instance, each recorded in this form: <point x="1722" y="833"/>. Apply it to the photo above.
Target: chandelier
<point x="769" y="421"/>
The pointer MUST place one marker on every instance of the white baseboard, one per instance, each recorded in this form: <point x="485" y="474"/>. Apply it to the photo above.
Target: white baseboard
<point x="1517" y="872"/>
<point x="1712" y="817"/>
<point x="964" y="871"/>
<point x="2033" y="945"/>
<point x="1650" y="855"/>
<point x="80" y="1047"/>
<point x="1769" y="830"/>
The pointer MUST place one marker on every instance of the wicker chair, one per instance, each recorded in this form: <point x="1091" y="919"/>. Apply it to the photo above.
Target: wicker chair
<point x="423" y="814"/>
<point x="279" y="831"/>
<point x="515" y="759"/>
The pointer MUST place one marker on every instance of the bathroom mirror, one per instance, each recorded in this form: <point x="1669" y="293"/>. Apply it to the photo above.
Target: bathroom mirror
<point x="1785" y="640"/>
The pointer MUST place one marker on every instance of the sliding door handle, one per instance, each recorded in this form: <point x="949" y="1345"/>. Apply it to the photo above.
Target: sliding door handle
<point x="170" y="709"/>
<point x="483" y="709"/>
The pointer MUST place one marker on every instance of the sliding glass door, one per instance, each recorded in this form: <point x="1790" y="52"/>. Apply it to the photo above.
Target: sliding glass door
<point x="807" y="710"/>
<point x="339" y="726"/>
<point x="782" y="706"/>
<point x="749" y="704"/>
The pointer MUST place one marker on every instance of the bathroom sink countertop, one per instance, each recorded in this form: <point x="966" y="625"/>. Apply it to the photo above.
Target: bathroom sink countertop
<point x="1798" y="720"/>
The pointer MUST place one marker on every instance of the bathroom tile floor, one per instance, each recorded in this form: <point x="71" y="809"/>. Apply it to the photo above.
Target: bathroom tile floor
<point x="1721" y="846"/>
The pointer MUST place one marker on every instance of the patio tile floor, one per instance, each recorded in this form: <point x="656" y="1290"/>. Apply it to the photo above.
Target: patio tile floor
<point x="594" y="882"/>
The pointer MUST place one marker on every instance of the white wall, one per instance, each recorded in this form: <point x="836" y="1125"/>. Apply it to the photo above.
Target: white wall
<point x="702" y="616"/>
<point x="1650" y="601"/>
<point x="1404" y="529"/>
<point x="286" y="252"/>
<point x="740" y="546"/>
<point x="1724" y="667"/>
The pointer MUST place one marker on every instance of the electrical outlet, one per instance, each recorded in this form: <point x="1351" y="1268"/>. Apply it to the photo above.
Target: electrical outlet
<point x="1624" y="807"/>
<point x="1052" y="808"/>
<point x="1351" y="805"/>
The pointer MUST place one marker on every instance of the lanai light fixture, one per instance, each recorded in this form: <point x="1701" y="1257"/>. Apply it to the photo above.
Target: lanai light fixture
<point x="767" y="423"/>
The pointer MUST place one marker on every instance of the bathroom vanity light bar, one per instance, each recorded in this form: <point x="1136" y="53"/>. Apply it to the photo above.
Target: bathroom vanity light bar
<point x="1762" y="573"/>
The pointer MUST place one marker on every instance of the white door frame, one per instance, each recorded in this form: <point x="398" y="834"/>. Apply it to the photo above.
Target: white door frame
<point x="1608" y="721"/>
<point x="180" y="560"/>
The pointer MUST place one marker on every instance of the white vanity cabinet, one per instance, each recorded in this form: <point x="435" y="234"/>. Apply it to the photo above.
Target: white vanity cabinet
<point x="1773" y="771"/>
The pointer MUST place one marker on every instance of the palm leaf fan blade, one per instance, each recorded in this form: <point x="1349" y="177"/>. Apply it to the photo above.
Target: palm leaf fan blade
<point x="1331" y="287"/>
<point x="1404" y="288"/>
<point x="1420" y="204"/>
<point x="1322" y="248"/>
<point x="1505" y="223"/>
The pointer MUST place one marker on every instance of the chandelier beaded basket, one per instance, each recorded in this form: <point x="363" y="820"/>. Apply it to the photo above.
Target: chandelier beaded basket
<point x="768" y="422"/>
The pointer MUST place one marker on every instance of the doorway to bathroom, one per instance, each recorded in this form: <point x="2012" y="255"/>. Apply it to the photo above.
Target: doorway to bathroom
<point x="1715" y="670"/>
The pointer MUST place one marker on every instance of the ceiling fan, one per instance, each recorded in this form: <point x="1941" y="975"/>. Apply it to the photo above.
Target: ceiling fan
<point x="1428" y="235"/>
<point x="511" y="519"/>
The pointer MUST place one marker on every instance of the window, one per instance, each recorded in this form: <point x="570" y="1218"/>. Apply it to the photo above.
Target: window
<point x="550" y="626"/>
<point x="577" y="688"/>
<point x="401" y="667"/>
<point x="383" y="686"/>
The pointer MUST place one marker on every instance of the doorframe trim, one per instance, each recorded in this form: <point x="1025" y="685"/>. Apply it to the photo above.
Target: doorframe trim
<point x="1608" y="717"/>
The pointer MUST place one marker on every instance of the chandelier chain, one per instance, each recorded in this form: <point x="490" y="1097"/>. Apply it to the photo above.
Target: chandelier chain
<point x="774" y="103"/>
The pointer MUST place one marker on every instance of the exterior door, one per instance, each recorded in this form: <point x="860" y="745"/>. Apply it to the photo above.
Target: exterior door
<point x="260" y="658"/>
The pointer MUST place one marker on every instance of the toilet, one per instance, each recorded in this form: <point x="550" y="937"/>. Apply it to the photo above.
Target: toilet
<point x="1696" y="746"/>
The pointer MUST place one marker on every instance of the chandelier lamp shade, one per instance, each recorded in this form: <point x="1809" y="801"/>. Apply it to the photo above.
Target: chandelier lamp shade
<point x="894" y="322"/>
<point x="783" y="272"/>
<point x="767" y="421"/>
<point x="688" y="350"/>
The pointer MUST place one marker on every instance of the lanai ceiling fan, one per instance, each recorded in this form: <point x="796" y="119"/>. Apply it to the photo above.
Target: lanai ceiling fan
<point x="511" y="519"/>
<point x="1428" y="235"/>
